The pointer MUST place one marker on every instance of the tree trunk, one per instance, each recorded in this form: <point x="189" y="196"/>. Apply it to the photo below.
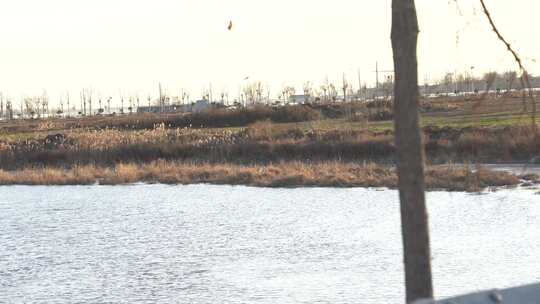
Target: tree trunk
<point x="410" y="153"/>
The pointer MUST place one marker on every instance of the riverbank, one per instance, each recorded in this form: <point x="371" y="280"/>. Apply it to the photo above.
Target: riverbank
<point x="284" y="174"/>
<point x="305" y="145"/>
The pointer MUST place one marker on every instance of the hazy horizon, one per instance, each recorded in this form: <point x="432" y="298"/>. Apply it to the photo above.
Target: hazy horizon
<point x="128" y="47"/>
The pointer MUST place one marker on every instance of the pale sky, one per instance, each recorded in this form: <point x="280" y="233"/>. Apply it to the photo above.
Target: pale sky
<point x="129" y="46"/>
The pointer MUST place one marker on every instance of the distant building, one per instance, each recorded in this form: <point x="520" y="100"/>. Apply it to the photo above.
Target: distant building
<point x="299" y="99"/>
<point x="157" y="109"/>
<point x="198" y="106"/>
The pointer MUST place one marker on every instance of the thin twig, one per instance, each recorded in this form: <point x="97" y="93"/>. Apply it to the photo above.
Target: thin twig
<point x="524" y="74"/>
<point x="501" y="38"/>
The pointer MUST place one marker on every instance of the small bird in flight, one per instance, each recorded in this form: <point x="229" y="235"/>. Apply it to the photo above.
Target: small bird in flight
<point x="230" y="25"/>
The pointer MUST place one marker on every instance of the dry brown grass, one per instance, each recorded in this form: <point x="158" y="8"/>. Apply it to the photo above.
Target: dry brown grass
<point x="284" y="174"/>
<point x="265" y="142"/>
<point x="468" y="178"/>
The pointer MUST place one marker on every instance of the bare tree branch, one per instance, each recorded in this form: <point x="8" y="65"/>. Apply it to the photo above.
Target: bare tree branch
<point x="524" y="74"/>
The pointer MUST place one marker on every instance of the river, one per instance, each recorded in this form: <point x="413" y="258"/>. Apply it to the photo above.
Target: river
<point x="223" y="244"/>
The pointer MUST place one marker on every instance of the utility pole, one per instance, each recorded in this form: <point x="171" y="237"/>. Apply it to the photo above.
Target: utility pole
<point x="376" y="78"/>
<point x="90" y="103"/>
<point x="1" y="105"/>
<point x="161" y="99"/>
<point x="182" y="96"/>
<point x="359" y="85"/>
<point x="81" y="108"/>
<point x="68" y="109"/>
<point x="345" y="86"/>
<point x="472" y="80"/>
<point x="377" y="83"/>
<point x="9" y="109"/>
<point x="456" y="88"/>
<point x="426" y="85"/>
<point x="62" y="113"/>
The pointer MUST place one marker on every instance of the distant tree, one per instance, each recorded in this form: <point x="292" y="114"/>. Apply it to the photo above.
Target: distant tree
<point x="324" y="90"/>
<point x="489" y="79"/>
<point x="44" y="99"/>
<point x="88" y="100"/>
<point x="130" y="108"/>
<point x="332" y="92"/>
<point x="250" y="93"/>
<point x="1" y="104"/>
<point x="509" y="79"/>
<point x="350" y="92"/>
<point x="525" y="76"/>
<point x="109" y="104"/>
<point x="9" y="109"/>
<point x="344" y="87"/>
<point x="100" y="110"/>
<point x="29" y="107"/>
<point x="68" y="108"/>
<point x="325" y="87"/>
<point x="162" y="97"/>
<point x="60" y="111"/>
<point x="448" y="80"/>
<point x="287" y="92"/>
<point x="387" y="87"/>
<point x="259" y="90"/>
<point x="36" y="106"/>
<point x="184" y="97"/>
<point x="308" y="91"/>
<point x="461" y="81"/>
<point x="83" y="104"/>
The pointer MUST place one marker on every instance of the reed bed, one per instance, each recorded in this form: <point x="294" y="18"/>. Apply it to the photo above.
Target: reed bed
<point x="264" y="142"/>
<point x="283" y="174"/>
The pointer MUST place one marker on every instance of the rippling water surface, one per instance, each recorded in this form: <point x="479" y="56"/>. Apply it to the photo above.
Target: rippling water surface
<point x="221" y="244"/>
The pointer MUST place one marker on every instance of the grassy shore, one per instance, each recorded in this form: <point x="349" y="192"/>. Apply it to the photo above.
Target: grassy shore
<point x="312" y="145"/>
<point x="285" y="174"/>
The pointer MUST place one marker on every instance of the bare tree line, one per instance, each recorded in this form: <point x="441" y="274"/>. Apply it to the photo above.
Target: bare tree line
<point x="467" y="83"/>
<point x="91" y="102"/>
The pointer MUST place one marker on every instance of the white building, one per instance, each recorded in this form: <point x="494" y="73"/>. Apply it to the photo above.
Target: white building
<point x="299" y="99"/>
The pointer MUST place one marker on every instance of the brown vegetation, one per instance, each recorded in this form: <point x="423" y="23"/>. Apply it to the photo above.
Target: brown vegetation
<point x="284" y="174"/>
<point x="262" y="142"/>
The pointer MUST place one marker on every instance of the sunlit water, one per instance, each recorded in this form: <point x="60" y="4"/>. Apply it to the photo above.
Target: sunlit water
<point x="221" y="244"/>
